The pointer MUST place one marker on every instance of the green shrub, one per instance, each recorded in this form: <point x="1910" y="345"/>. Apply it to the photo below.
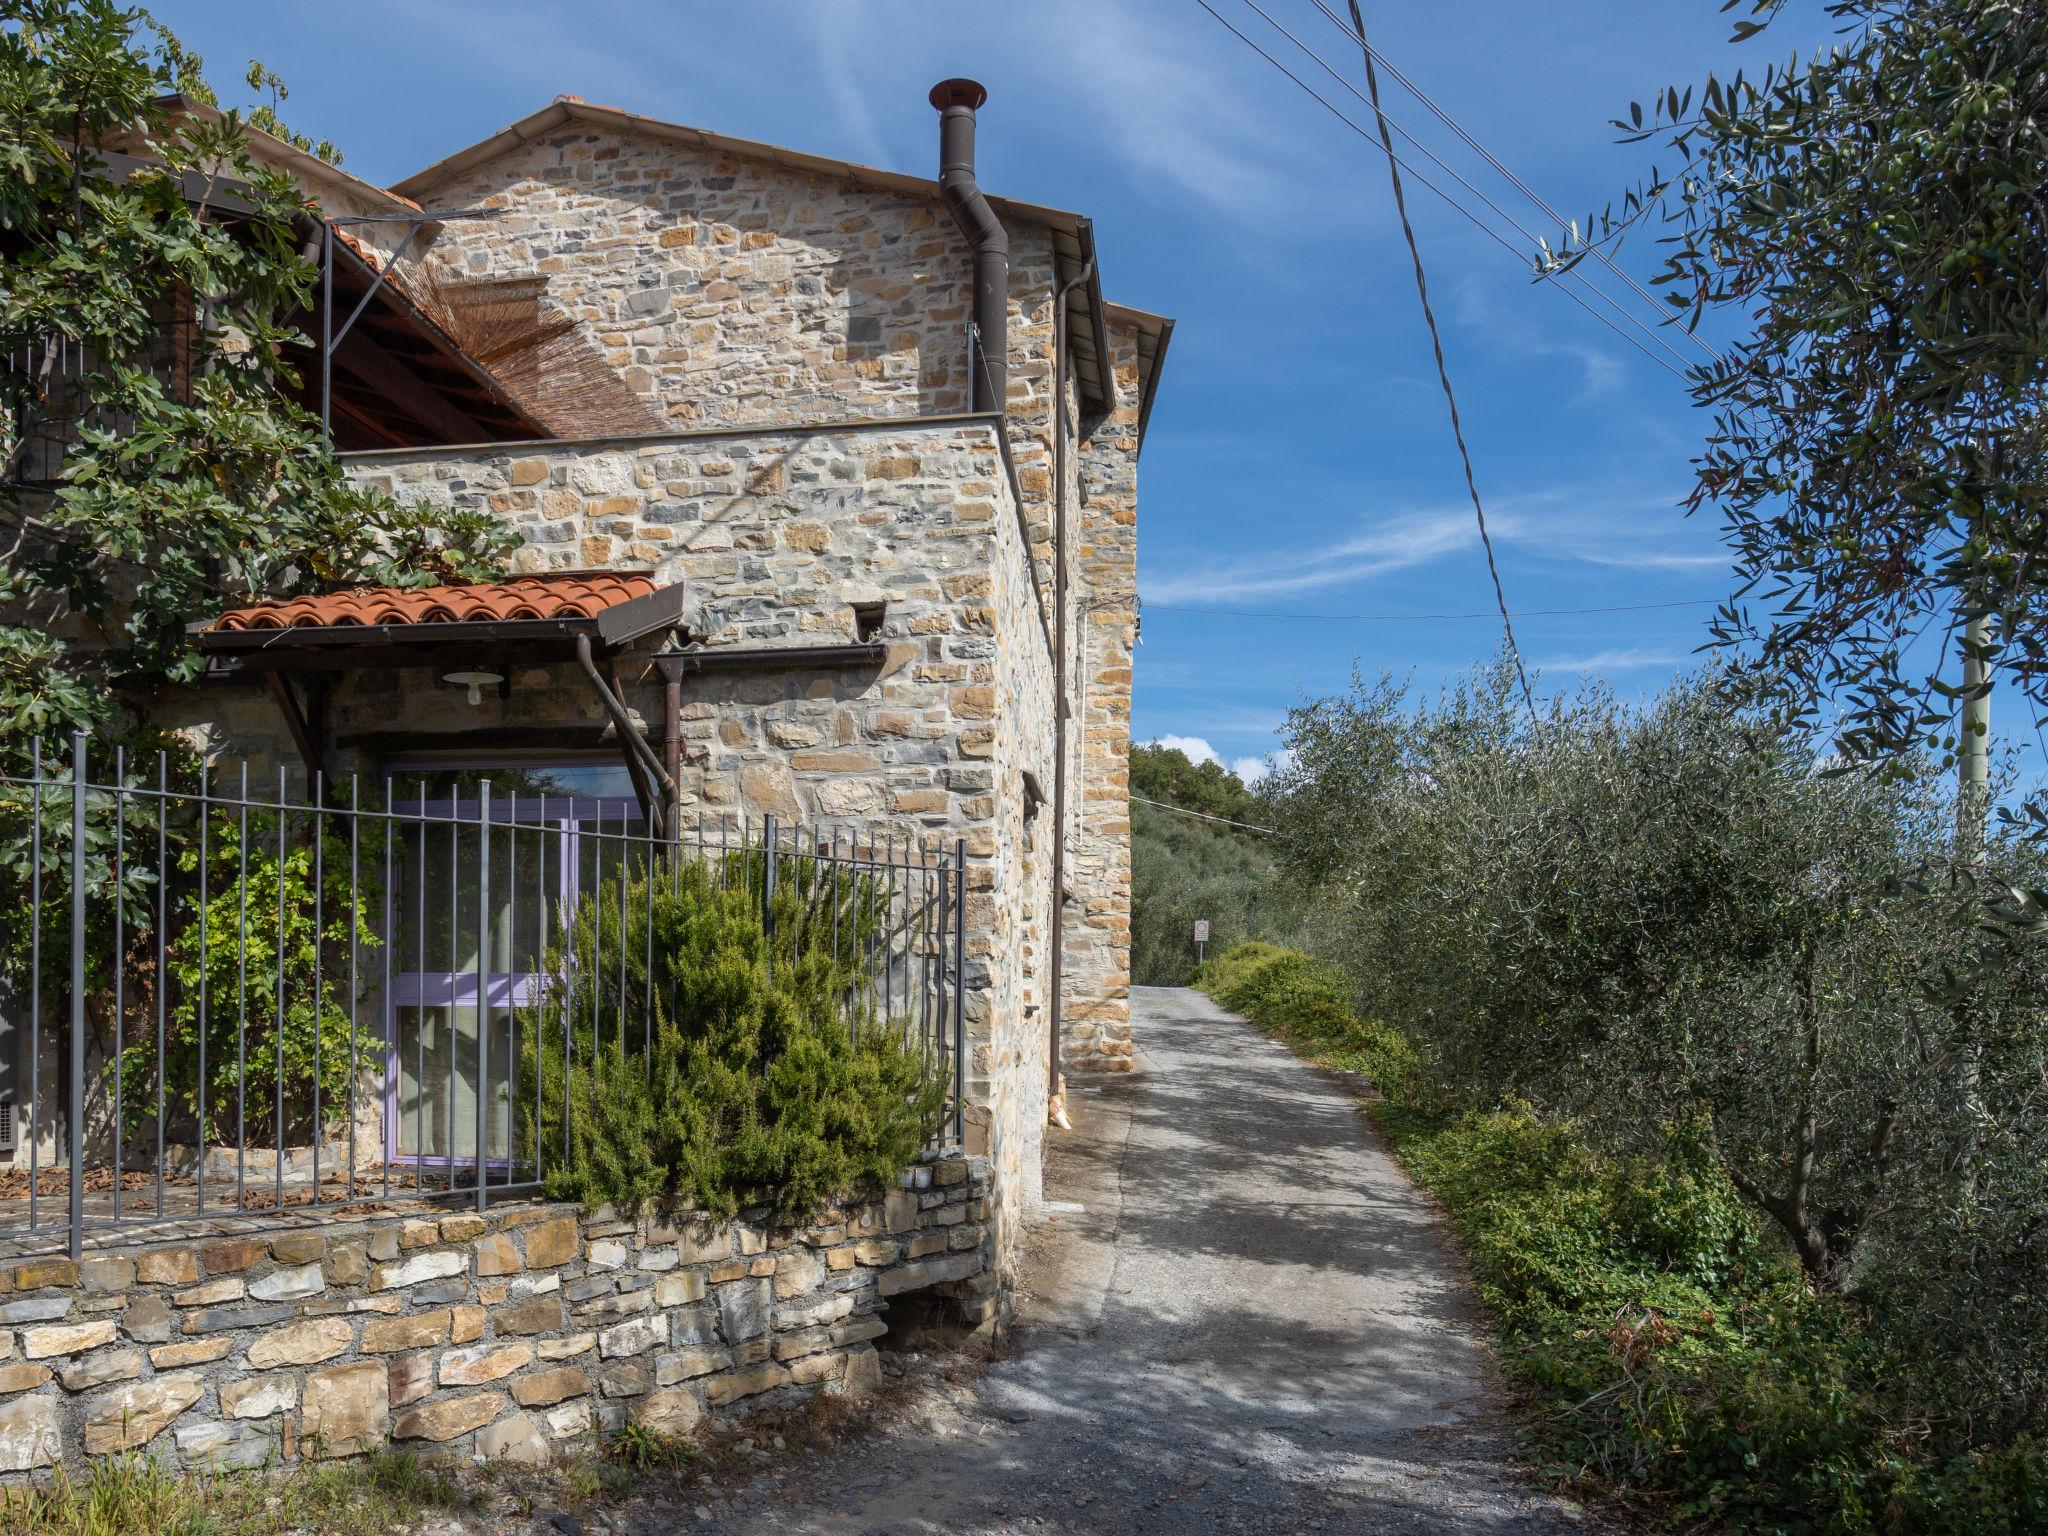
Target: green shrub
<point x="1305" y="1002"/>
<point x="746" y="1086"/>
<point x="1672" y="1348"/>
<point x="1237" y="962"/>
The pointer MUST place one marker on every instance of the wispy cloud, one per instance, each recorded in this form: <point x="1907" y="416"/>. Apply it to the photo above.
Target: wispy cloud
<point x="1602" y="369"/>
<point x="1175" y="107"/>
<point x="1399" y="542"/>
<point x="1589" y="528"/>
<point x="1628" y="659"/>
<point x="840" y="30"/>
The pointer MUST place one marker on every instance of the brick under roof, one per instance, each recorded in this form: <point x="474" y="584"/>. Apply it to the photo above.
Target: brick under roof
<point x="574" y="595"/>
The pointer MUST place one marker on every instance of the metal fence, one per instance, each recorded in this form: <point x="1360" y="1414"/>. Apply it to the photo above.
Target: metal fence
<point x="372" y="990"/>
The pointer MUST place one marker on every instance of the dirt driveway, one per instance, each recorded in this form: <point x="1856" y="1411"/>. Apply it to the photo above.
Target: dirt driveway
<point x="1251" y="1327"/>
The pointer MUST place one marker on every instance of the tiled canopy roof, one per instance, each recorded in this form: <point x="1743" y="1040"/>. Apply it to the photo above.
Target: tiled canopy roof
<point x="581" y="595"/>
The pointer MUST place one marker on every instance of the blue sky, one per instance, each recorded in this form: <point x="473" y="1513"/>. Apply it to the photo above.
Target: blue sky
<point x="1299" y="460"/>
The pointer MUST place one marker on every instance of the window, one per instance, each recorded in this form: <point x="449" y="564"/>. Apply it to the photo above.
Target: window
<point x="458" y="951"/>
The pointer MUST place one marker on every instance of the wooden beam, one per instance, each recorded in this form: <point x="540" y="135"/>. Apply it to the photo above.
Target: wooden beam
<point x="362" y="419"/>
<point x="368" y="362"/>
<point x="304" y="728"/>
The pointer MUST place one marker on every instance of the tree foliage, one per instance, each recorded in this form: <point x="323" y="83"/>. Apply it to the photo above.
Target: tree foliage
<point x="1663" y="921"/>
<point x="155" y="466"/>
<point x="1183" y="868"/>
<point x="1168" y="775"/>
<point x="1870" y="223"/>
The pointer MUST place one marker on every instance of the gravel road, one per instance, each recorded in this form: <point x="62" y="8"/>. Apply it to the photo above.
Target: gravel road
<point x="1252" y="1326"/>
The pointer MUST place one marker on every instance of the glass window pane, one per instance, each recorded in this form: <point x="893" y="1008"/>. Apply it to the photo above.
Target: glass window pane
<point x="436" y="1099"/>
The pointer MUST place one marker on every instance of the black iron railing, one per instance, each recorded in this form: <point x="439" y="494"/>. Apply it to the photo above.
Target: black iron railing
<point x="218" y="1000"/>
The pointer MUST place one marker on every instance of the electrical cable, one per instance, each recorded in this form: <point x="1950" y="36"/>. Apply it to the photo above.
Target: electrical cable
<point x="1655" y="333"/>
<point x="1394" y="618"/>
<point x="1478" y="223"/>
<point x="1181" y="810"/>
<point x="1498" y="165"/>
<point x="1443" y="373"/>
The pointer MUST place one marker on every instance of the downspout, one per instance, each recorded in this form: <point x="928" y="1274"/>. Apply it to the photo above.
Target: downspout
<point x="672" y="748"/>
<point x="989" y="352"/>
<point x="1059" y="681"/>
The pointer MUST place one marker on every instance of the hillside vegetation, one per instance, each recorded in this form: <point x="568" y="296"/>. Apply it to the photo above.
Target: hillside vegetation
<point x="1184" y="868"/>
<point x="1728" y="1070"/>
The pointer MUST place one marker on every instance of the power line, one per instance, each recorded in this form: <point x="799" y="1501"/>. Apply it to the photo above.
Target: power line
<point x="1494" y="160"/>
<point x="1395" y="618"/>
<point x="1655" y="333"/>
<point x="1520" y="257"/>
<point x="1443" y="372"/>
<point x="1180" y="810"/>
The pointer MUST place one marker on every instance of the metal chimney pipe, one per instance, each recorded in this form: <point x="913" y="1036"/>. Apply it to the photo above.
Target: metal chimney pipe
<point x="989" y="362"/>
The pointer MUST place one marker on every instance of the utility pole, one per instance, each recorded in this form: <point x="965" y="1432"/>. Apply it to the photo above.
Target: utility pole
<point x="1973" y="797"/>
<point x="1973" y="753"/>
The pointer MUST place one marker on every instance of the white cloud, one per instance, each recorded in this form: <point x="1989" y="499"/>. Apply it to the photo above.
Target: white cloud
<point x="1197" y="750"/>
<point x="1193" y="748"/>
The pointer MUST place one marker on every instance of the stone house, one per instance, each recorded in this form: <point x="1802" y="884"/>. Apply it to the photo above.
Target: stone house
<point x="838" y="466"/>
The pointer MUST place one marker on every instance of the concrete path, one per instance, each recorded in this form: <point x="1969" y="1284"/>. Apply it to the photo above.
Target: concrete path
<point x="1253" y="1327"/>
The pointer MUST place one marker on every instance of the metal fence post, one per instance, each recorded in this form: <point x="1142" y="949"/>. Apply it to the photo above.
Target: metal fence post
<point x="960" y="992"/>
<point x="768" y="875"/>
<point x="483" y="972"/>
<point x="76" y="1135"/>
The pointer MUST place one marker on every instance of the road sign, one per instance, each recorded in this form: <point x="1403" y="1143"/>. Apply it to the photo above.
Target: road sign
<point x="1201" y="930"/>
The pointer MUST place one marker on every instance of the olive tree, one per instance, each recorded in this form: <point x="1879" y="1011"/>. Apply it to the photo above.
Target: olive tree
<point x="1657" y="919"/>
<point x="1869" y="225"/>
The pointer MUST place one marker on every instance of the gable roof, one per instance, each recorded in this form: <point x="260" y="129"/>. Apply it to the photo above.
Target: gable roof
<point x="1073" y="235"/>
<point x="568" y="109"/>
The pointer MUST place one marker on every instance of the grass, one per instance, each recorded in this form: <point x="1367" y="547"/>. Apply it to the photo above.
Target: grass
<point x="136" y="1496"/>
<point x="1305" y="1003"/>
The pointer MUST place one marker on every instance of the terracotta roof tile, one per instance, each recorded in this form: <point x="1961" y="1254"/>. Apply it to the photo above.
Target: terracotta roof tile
<point x="581" y="595"/>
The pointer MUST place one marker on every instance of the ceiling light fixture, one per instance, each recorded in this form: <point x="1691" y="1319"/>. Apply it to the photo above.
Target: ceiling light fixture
<point x="475" y="682"/>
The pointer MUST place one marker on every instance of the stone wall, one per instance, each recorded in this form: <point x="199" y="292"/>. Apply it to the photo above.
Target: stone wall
<point x="508" y="1335"/>
<point x="729" y="290"/>
<point x="777" y="535"/>
<point x="1096" y="1022"/>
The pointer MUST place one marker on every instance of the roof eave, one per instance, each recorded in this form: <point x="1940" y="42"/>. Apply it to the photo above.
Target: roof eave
<point x="301" y="161"/>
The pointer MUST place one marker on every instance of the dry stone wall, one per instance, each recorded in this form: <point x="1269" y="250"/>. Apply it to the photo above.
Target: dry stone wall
<point x="511" y="1335"/>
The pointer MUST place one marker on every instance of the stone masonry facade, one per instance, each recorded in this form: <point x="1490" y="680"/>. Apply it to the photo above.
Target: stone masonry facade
<point x="805" y="335"/>
<point x="777" y="536"/>
<point x="512" y="1336"/>
<point x="731" y="291"/>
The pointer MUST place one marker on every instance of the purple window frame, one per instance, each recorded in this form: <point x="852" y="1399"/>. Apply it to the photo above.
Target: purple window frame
<point x="502" y="989"/>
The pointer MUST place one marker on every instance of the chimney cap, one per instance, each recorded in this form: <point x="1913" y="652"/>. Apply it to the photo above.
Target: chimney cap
<point x="959" y="92"/>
